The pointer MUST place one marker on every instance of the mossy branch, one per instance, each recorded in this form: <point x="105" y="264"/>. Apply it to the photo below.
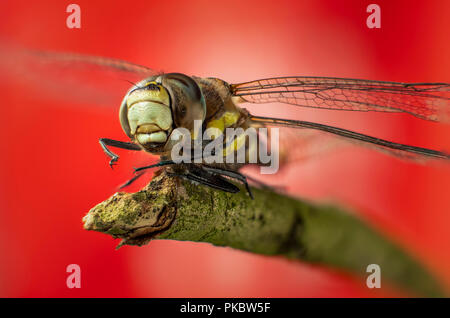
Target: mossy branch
<point x="272" y="224"/>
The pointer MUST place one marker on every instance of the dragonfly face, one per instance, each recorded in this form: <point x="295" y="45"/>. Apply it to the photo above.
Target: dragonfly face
<point x="154" y="107"/>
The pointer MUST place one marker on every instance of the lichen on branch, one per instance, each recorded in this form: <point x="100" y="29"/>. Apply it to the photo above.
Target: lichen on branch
<point x="271" y="224"/>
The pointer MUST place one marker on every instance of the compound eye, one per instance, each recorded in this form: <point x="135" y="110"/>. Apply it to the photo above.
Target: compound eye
<point x="187" y="101"/>
<point x="123" y="116"/>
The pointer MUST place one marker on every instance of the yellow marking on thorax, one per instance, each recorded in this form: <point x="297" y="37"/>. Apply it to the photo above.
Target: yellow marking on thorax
<point x="237" y="143"/>
<point x="227" y="120"/>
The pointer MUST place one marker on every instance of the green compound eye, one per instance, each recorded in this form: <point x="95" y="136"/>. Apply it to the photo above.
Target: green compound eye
<point x="187" y="101"/>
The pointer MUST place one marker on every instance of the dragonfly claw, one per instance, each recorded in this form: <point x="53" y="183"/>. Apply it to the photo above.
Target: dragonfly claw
<point x="113" y="161"/>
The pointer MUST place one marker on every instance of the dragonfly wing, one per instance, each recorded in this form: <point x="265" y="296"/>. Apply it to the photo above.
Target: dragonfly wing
<point x="314" y="138"/>
<point x="71" y="77"/>
<point x="429" y="101"/>
<point x="309" y="144"/>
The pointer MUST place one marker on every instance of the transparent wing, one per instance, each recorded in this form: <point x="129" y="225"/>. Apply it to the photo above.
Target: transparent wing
<point x="430" y="101"/>
<point x="309" y="145"/>
<point x="314" y="138"/>
<point x="71" y="77"/>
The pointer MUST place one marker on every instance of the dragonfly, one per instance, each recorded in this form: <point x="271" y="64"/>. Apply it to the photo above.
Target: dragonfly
<point x="158" y="104"/>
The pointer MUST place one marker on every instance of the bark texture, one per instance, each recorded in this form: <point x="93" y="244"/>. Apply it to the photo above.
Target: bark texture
<point x="272" y="224"/>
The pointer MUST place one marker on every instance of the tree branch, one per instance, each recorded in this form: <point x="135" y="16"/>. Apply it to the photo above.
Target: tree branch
<point x="272" y="224"/>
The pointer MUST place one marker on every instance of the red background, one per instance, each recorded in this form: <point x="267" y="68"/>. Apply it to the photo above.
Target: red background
<point x="52" y="170"/>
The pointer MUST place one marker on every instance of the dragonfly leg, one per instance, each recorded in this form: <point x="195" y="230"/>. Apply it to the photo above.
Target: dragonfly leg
<point x="206" y="178"/>
<point x="140" y="171"/>
<point x="126" y="184"/>
<point x="105" y="142"/>
<point x="209" y="176"/>
<point x="231" y="174"/>
<point x="159" y="164"/>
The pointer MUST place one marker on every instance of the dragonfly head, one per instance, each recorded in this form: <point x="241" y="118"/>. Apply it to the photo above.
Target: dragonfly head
<point x="154" y="107"/>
